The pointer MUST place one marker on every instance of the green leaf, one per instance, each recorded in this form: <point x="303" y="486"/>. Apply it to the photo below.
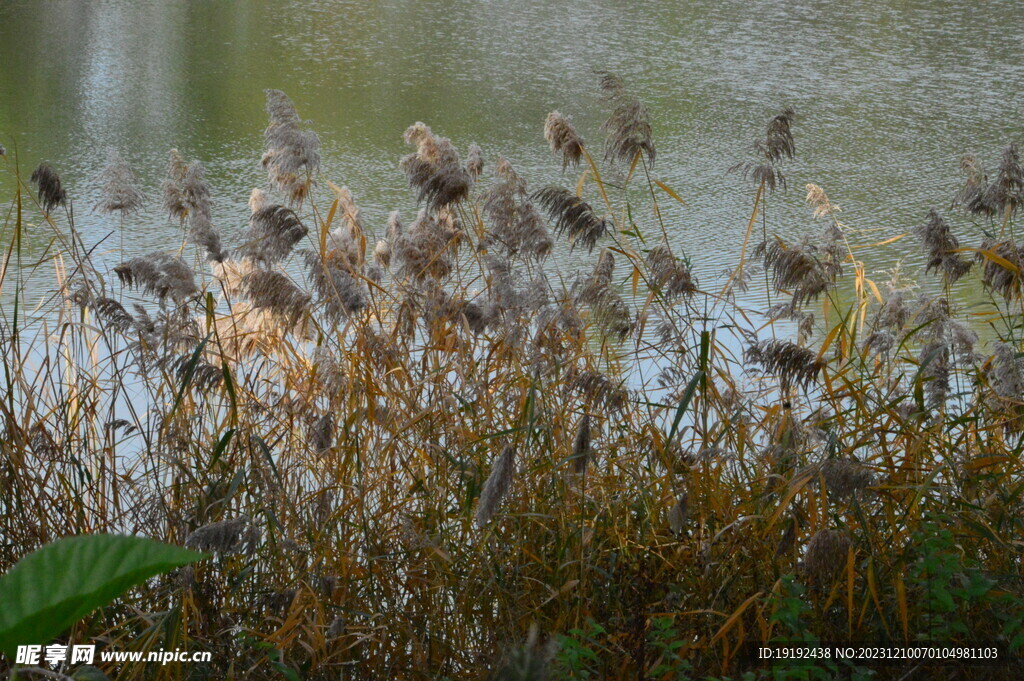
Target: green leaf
<point x="684" y="403"/>
<point x="50" y="589"/>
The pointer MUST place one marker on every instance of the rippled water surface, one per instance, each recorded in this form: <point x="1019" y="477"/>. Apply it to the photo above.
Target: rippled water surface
<point x="889" y="96"/>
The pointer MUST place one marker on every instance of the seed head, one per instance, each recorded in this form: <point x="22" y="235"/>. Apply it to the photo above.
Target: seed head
<point x="563" y="139"/>
<point x="51" y="192"/>
<point x="826" y="555"/>
<point x="225" y="536"/>
<point x="499" y="482"/>
<point x="941" y="246"/>
<point x="160" y="274"/>
<point x="120" y="187"/>
<point x="573" y="216"/>
<point x="629" y="126"/>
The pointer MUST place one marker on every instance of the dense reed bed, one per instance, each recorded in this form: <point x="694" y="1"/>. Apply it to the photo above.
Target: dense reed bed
<point x="418" y="451"/>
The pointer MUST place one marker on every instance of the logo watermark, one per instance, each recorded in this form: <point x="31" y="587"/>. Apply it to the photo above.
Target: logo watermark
<point x="86" y="654"/>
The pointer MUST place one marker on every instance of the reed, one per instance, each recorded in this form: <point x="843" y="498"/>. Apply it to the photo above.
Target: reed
<point x="448" y="459"/>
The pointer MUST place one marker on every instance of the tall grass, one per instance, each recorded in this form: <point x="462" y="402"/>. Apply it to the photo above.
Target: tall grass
<point x="420" y="452"/>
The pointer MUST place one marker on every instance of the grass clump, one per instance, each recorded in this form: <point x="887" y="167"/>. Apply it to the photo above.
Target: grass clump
<point x="441" y="460"/>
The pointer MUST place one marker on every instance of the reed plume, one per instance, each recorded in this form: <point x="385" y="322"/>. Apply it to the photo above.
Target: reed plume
<point x="573" y="216"/>
<point x="1008" y="187"/>
<point x="1003" y="273"/>
<point x="160" y="274"/>
<point x="336" y="283"/>
<point x="600" y="390"/>
<point x="1008" y="372"/>
<point x="826" y="556"/>
<point x="818" y="200"/>
<point x="225" y="536"/>
<point x="629" y="125"/>
<point x="516" y="224"/>
<point x="423" y="250"/>
<point x="120" y="187"/>
<point x="777" y="146"/>
<point x="475" y="161"/>
<point x="51" y="192"/>
<point x="679" y="514"/>
<point x="845" y="477"/>
<point x="563" y="139"/>
<point x="292" y="153"/>
<point x="974" y="197"/>
<point x="941" y="246"/>
<point x="794" y="365"/>
<point x="581" y="451"/>
<point x="173" y="194"/>
<point x="275" y="292"/>
<point x="194" y="192"/>
<point x="611" y="312"/>
<point x="498" y="484"/>
<point x="273" y="231"/>
<point x="671" y="275"/>
<point x="803" y="269"/>
<point x="434" y="170"/>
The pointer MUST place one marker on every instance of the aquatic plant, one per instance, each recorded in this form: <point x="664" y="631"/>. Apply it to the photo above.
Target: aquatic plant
<point x="428" y="448"/>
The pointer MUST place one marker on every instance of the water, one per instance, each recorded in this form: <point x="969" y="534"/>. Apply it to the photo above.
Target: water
<point x="889" y="96"/>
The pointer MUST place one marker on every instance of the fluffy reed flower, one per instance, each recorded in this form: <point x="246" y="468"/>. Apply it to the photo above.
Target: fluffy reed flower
<point x="668" y="273"/>
<point x="475" y="161"/>
<point x="794" y="365"/>
<point x="845" y="477"/>
<point x="610" y="311"/>
<point x="1008" y="188"/>
<point x="776" y="146"/>
<point x="113" y="313"/>
<point x="573" y="216"/>
<point x="1005" y="281"/>
<point x="158" y="273"/>
<point x="530" y="662"/>
<point x="802" y="269"/>
<point x="941" y="246"/>
<point x="826" y="555"/>
<point x="581" y="446"/>
<point x="422" y="251"/>
<point x="516" y="224"/>
<point x="818" y="200"/>
<point x="225" y="536"/>
<point x="935" y="372"/>
<point x="563" y="138"/>
<point x="1007" y="372"/>
<point x="629" y="126"/>
<point x="192" y="192"/>
<point x="337" y="627"/>
<point x="599" y="390"/>
<point x="273" y="231"/>
<point x="173" y="194"/>
<point x="894" y="313"/>
<point x="679" y="514"/>
<point x="336" y="283"/>
<point x="382" y="253"/>
<point x="275" y="292"/>
<point x="974" y="196"/>
<point x="292" y="153"/>
<point x="434" y="170"/>
<point x="499" y="482"/>
<point x="50" y="190"/>
<point x="1002" y="196"/>
<point x="204" y="376"/>
<point x="120" y="187"/>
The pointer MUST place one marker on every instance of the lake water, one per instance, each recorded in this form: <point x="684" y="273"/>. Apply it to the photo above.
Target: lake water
<point x="889" y="94"/>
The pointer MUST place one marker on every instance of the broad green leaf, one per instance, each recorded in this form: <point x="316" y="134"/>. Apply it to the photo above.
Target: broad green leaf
<point x="50" y="589"/>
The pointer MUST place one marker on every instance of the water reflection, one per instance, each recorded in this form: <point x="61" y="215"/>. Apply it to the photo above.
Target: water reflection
<point x="890" y="95"/>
